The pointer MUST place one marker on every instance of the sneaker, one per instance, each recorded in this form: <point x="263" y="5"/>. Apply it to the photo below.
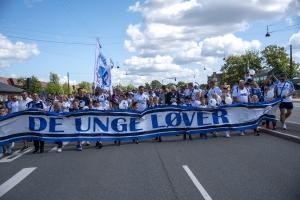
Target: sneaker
<point x="242" y="133"/>
<point x="35" y="150"/>
<point x="59" y="150"/>
<point x="214" y="134"/>
<point x="284" y="126"/>
<point x="24" y="148"/>
<point x="99" y="145"/>
<point x="79" y="147"/>
<point x="227" y="134"/>
<point x="159" y="139"/>
<point x="88" y="143"/>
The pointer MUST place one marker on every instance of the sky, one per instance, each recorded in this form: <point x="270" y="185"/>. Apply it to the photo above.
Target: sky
<point x="149" y="40"/>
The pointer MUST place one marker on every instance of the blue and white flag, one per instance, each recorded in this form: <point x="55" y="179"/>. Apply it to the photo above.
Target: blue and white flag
<point x="102" y="70"/>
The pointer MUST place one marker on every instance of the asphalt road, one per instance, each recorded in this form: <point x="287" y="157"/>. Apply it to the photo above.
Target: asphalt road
<point x="242" y="167"/>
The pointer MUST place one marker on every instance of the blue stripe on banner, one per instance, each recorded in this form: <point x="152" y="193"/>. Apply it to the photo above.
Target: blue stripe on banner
<point x="130" y="136"/>
<point x="134" y="113"/>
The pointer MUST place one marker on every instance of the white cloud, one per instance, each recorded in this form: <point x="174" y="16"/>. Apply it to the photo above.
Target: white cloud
<point x="226" y="45"/>
<point x="179" y="36"/>
<point x="296" y="56"/>
<point x="15" y="52"/>
<point x="295" y="40"/>
<point x="64" y="79"/>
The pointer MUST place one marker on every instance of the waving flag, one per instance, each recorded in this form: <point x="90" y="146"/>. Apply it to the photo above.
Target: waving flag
<point x="102" y="70"/>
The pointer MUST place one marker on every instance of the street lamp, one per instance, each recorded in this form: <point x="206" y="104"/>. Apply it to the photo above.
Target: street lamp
<point x="162" y="81"/>
<point x="268" y="34"/>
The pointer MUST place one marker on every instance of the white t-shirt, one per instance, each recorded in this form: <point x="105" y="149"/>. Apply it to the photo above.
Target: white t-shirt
<point x="241" y="94"/>
<point x="214" y="90"/>
<point x="66" y="105"/>
<point x="196" y="103"/>
<point x="14" y="106"/>
<point x="23" y="103"/>
<point x="141" y="100"/>
<point x="283" y="89"/>
<point x="123" y="104"/>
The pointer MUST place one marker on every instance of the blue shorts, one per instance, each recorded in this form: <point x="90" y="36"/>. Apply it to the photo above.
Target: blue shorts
<point x="286" y="105"/>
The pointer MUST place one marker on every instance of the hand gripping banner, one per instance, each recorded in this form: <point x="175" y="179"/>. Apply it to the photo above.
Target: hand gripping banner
<point x="95" y="125"/>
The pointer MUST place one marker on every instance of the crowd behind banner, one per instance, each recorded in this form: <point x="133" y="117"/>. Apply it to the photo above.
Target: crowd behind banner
<point x="190" y="95"/>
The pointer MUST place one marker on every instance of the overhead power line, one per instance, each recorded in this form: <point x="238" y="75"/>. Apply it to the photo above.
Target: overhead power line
<point x="51" y="41"/>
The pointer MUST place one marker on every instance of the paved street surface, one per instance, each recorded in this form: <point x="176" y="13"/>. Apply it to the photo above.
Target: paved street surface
<point x="242" y="167"/>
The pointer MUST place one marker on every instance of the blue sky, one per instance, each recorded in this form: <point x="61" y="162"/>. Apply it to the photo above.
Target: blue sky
<point x="83" y="21"/>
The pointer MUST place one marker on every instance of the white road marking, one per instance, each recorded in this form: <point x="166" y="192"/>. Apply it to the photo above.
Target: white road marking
<point x="15" y="155"/>
<point x="198" y="185"/>
<point x="291" y="122"/>
<point x="55" y="148"/>
<point x="13" y="181"/>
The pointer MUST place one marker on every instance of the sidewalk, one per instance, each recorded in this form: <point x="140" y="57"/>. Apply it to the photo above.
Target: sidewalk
<point x="296" y="100"/>
<point x="292" y="133"/>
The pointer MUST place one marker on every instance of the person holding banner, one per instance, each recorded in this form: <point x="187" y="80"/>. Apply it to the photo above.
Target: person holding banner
<point x="284" y="89"/>
<point x="37" y="104"/>
<point x="84" y="101"/>
<point x="269" y="95"/>
<point x="241" y="94"/>
<point x="142" y="99"/>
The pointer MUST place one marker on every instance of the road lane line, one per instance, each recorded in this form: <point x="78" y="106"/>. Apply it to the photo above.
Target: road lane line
<point x="13" y="181"/>
<point x="291" y="122"/>
<point x="15" y="155"/>
<point x="55" y="148"/>
<point x="198" y="185"/>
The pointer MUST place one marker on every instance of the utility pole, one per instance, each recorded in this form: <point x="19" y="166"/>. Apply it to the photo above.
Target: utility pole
<point x="68" y="82"/>
<point x="291" y="60"/>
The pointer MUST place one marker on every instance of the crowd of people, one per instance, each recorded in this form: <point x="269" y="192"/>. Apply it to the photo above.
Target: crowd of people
<point x="244" y="91"/>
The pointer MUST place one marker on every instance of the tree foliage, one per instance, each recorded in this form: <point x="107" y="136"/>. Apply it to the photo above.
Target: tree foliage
<point x="155" y="84"/>
<point x="35" y="85"/>
<point x="276" y="59"/>
<point x="87" y="86"/>
<point x="53" y="86"/>
<point x="237" y="66"/>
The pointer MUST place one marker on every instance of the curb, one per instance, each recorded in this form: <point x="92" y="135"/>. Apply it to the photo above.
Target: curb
<point x="285" y="136"/>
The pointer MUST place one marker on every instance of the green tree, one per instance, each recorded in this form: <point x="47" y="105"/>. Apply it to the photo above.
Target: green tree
<point x="237" y="66"/>
<point x="65" y="88"/>
<point x="86" y="85"/>
<point x="54" y="78"/>
<point x="181" y="84"/>
<point x="155" y="84"/>
<point x="276" y="59"/>
<point x="35" y="86"/>
<point x="53" y="86"/>
<point x="130" y="87"/>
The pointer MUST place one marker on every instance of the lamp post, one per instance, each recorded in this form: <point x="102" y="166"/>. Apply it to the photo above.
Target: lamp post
<point x="268" y="34"/>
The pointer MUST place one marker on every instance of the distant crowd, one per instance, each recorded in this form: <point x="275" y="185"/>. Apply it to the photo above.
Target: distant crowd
<point x="244" y="91"/>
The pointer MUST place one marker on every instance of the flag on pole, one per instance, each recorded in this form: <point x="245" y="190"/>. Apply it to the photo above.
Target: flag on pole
<point x="112" y="64"/>
<point x="102" y="70"/>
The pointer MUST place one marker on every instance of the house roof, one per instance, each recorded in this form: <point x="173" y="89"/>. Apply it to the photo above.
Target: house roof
<point x="5" y="88"/>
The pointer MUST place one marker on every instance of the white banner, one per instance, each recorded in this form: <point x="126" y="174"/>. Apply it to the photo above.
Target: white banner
<point x="126" y="124"/>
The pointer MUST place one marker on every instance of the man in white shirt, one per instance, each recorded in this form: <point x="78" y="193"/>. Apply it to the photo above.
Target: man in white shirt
<point x="13" y="105"/>
<point x="241" y="94"/>
<point x="141" y="98"/>
<point x="284" y="89"/>
<point x="24" y="101"/>
<point x="213" y="89"/>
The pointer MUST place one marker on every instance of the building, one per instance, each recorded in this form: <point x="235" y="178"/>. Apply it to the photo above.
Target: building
<point x="216" y="76"/>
